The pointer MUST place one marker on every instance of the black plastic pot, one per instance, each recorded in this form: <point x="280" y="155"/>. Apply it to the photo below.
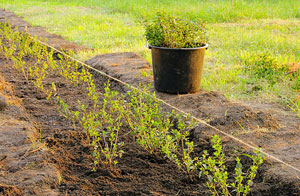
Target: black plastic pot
<point x="177" y="70"/>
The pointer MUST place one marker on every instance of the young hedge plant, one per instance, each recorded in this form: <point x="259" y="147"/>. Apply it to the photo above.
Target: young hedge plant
<point x="216" y="172"/>
<point x="169" y="31"/>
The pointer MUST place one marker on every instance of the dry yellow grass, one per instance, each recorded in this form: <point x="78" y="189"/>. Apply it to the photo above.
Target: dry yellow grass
<point x="7" y="91"/>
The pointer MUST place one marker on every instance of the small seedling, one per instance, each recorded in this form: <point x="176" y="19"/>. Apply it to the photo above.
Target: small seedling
<point x="213" y="167"/>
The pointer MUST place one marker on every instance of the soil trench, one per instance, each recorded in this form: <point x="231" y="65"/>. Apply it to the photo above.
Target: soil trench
<point x="270" y="127"/>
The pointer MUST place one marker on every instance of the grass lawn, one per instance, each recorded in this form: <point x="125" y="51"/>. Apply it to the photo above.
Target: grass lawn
<point x="237" y="32"/>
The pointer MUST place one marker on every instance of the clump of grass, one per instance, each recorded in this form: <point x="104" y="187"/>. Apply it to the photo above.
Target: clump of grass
<point x="266" y="73"/>
<point x="264" y="66"/>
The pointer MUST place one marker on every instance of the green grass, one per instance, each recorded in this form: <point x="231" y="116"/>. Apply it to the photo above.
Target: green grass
<point x="95" y="28"/>
<point x="231" y="40"/>
<point x="251" y="26"/>
<point x="210" y="11"/>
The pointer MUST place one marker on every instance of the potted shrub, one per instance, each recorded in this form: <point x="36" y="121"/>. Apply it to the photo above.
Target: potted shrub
<point x="177" y="47"/>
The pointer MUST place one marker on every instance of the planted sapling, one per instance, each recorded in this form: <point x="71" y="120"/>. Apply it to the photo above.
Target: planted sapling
<point x="213" y="167"/>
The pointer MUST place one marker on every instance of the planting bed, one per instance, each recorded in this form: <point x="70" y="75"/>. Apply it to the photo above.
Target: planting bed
<point x="68" y="156"/>
<point x="22" y="154"/>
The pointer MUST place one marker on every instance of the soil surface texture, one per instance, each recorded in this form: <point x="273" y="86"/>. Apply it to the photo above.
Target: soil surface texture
<point x="41" y="153"/>
<point x="23" y="165"/>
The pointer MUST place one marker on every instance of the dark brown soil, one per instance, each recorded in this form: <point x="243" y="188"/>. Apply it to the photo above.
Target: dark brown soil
<point x="139" y="173"/>
<point x="23" y="169"/>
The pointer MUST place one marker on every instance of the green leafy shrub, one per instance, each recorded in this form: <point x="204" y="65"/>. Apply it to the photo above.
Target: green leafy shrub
<point x="213" y="167"/>
<point x="160" y="132"/>
<point x="169" y="31"/>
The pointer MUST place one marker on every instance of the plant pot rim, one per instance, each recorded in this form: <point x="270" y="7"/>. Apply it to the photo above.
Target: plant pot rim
<point x="165" y="48"/>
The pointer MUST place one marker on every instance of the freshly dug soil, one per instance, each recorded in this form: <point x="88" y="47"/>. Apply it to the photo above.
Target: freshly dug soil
<point x="23" y="166"/>
<point x="68" y="155"/>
